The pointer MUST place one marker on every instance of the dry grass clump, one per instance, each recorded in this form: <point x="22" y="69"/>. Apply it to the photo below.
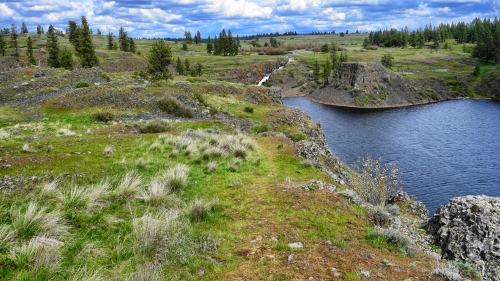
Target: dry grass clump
<point x="212" y="166"/>
<point x="130" y="185"/>
<point x="84" y="274"/>
<point x="157" y="192"/>
<point x="176" y="177"/>
<point x="173" y="106"/>
<point x="396" y="239"/>
<point x="38" y="253"/>
<point x="108" y="150"/>
<point x="155" y="126"/>
<point x="145" y="274"/>
<point x="35" y="221"/>
<point x="198" y="209"/>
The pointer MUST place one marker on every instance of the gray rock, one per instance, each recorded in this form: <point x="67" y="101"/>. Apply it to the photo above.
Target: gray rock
<point x="296" y="245"/>
<point x="468" y="231"/>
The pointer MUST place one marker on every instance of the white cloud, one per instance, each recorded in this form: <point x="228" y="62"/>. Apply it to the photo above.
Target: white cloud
<point x="6" y="11"/>
<point x="239" y="8"/>
<point x="331" y="14"/>
<point x="159" y="15"/>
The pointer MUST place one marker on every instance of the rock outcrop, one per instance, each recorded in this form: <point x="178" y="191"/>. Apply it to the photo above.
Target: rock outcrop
<point x="370" y="85"/>
<point x="468" y="231"/>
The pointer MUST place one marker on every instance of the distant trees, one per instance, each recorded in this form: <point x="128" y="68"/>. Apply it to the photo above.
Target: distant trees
<point x="39" y="29"/>
<point x="189" y="38"/>
<point x="24" y="28"/>
<point x="72" y="32"/>
<point x="13" y="39"/>
<point x="110" y="41"/>
<point x="197" y="38"/>
<point x="160" y="58"/>
<point x="179" y="66"/>
<point x="210" y="46"/>
<point x="29" y="51"/>
<point x="3" y="45"/>
<point x="334" y="56"/>
<point x="225" y="45"/>
<point x="126" y="43"/>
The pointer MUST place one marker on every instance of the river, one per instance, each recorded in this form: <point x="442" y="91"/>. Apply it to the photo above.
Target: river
<point x="444" y="149"/>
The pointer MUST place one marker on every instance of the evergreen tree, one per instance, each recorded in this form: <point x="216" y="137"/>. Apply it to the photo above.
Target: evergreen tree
<point x="197" y="38"/>
<point x="98" y="32"/>
<point x="327" y="68"/>
<point x="72" y="33"/>
<point x="334" y="56"/>
<point x="29" y="51"/>
<point x="316" y="71"/>
<point x="39" y="29"/>
<point x="160" y="57"/>
<point x="387" y="61"/>
<point x="223" y="43"/>
<point x="199" y="67"/>
<point x="343" y="56"/>
<point x="189" y="39"/>
<point x="24" y="28"/>
<point x="179" y="66"/>
<point x="110" y="41"/>
<point x="216" y="46"/>
<point x="66" y="59"/>
<point x="13" y="39"/>
<point x="131" y="45"/>
<point x="52" y="47"/>
<point x="86" y="50"/>
<point x="209" y="46"/>
<point x="123" y="41"/>
<point x="187" y="66"/>
<point x="3" y="45"/>
<point x="184" y="46"/>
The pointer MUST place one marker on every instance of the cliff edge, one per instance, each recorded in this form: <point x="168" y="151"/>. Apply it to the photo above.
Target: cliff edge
<point x="370" y="85"/>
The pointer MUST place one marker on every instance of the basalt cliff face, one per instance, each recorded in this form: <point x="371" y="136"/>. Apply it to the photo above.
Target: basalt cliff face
<point x="370" y="85"/>
<point x="468" y="231"/>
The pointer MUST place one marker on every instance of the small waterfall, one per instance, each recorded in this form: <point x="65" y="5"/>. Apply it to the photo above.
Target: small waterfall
<point x="267" y="76"/>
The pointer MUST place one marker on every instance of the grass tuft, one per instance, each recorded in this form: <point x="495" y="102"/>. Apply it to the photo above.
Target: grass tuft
<point x="176" y="177"/>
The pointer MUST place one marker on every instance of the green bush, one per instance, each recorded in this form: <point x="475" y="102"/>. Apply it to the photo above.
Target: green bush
<point x="261" y="128"/>
<point x="173" y="106"/>
<point x="106" y="76"/>
<point x="298" y="137"/>
<point x="248" y="109"/>
<point x="82" y="84"/>
<point x="104" y="116"/>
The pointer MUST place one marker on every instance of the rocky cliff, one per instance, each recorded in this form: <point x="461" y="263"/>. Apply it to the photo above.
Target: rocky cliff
<point x="370" y="85"/>
<point x="468" y="231"/>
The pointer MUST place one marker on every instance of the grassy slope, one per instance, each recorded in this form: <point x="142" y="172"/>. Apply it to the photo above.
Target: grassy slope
<point x="257" y="214"/>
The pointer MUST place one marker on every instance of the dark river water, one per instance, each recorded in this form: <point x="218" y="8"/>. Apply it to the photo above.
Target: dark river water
<point x="444" y="150"/>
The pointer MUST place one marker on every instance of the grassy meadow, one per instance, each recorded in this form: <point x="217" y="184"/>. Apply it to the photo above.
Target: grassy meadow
<point x="175" y="198"/>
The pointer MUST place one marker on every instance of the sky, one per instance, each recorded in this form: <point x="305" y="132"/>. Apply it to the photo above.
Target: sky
<point x="161" y="19"/>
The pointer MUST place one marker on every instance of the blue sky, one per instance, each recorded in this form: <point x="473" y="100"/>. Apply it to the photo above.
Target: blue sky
<point x="143" y="18"/>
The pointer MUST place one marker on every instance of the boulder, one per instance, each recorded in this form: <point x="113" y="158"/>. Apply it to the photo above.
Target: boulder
<point x="468" y="231"/>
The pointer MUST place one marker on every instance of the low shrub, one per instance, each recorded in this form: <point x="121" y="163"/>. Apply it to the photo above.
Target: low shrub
<point x="394" y="239"/>
<point x="173" y="106"/>
<point x="82" y="84"/>
<point x="106" y="76"/>
<point x="200" y="98"/>
<point x="298" y="137"/>
<point x="379" y="216"/>
<point x="261" y="128"/>
<point x="375" y="182"/>
<point x="248" y="109"/>
<point x="155" y="126"/>
<point x="104" y="116"/>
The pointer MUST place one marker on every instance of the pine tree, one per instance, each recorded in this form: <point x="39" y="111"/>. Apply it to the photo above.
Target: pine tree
<point x="24" y="28"/>
<point x="387" y="61"/>
<point x="187" y="66"/>
<point x="123" y="41"/>
<point x="327" y="68"/>
<point x="13" y="39"/>
<point x="98" y="32"/>
<point x="52" y="47"/>
<point x="86" y="50"/>
<point x="216" y="46"/>
<point x="334" y="56"/>
<point x="66" y="59"/>
<point x="29" y="51"/>
<point x="316" y="71"/>
<point x="179" y="66"/>
<point x="189" y="39"/>
<point x="199" y="67"/>
<point x="72" y="30"/>
<point x="131" y="45"/>
<point x="39" y="29"/>
<point x="343" y="56"/>
<point x="209" y="46"/>
<point x="197" y="38"/>
<point x="110" y="41"/>
<point x="160" y="57"/>
<point x="3" y="45"/>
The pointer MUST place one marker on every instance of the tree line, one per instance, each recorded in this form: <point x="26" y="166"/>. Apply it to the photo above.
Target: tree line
<point x="484" y="33"/>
